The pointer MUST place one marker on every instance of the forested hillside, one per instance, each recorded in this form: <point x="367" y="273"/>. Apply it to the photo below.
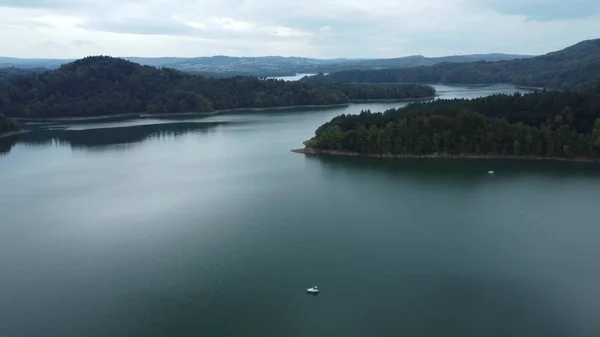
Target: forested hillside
<point x="8" y="75"/>
<point x="576" y="67"/>
<point x="8" y="125"/>
<point x="107" y="86"/>
<point x="545" y="124"/>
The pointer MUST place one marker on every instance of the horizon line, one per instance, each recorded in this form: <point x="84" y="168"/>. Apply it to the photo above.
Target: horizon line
<point x="265" y="56"/>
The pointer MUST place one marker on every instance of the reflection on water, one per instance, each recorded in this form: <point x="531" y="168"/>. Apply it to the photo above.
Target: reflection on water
<point x="467" y="306"/>
<point x="475" y="91"/>
<point x="6" y="144"/>
<point x="104" y="138"/>
<point x="456" y="169"/>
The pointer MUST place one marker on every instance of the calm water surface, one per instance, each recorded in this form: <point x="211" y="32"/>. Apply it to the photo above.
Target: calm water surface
<point x="292" y="78"/>
<point x="212" y="227"/>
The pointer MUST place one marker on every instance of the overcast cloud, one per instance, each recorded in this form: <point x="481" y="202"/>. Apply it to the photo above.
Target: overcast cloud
<point x="313" y="28"/>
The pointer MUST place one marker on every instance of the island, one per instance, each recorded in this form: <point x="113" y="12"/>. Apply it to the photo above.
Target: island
<point x="542" y="125"/>
<point x="573" y="68"/>
<point x="106" y="86"/>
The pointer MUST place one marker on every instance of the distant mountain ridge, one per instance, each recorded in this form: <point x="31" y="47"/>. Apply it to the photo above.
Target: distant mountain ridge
<point x="420" y="60"/>
<point x="575" y="67"/>
<point x="268" y="65"/>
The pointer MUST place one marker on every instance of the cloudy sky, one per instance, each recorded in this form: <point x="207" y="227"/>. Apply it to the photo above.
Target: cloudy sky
<point x="312" y="28"/>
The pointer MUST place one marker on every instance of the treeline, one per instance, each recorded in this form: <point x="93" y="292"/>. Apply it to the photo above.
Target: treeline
<point x="8" y="75"/>
<point x="578" y="109"/>
<point x="102" y="85"/>
<point x="485" y="126"/>
<point x="573" y="68"/>
<point x="8" y="125"/>
<point x="384" y="91"/>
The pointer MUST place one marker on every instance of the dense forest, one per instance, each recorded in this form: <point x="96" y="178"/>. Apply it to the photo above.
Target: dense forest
<point x="8" y="125"/>
<point x="544" y="124"/>
<point x="8" y="75"/>
<point x="357" y="92"/>
<point x="103" y="85"/>
<point x="576" y="67"/>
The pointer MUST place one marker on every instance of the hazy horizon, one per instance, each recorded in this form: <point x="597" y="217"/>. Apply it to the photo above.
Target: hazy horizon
<point x="325" y="29"/>
<point x="258" y="56"/>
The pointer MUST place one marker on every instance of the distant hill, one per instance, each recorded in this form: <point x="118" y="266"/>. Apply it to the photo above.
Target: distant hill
<point x="25" y="63"/>
<point x="102" y="85"/>
<point x="219" y="65"/>
<point x="281" y="66"/>
<point x="228" y="65"/>
<point x="267" y="66"/>
<point x="575" y="67"/>
<point x="419" y="60"/>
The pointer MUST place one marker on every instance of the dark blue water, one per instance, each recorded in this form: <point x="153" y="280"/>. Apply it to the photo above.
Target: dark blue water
<point x="212" y="227"/>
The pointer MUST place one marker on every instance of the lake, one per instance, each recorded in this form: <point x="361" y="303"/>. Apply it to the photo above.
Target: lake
<point x="292" y="78"/>
<point x="212" y="227"/>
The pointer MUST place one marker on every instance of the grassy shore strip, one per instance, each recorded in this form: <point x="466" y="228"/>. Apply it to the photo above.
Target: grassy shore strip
<point x="313" y="151"/>
<point x="181" y="114"/>
<point x="216" y="112"/>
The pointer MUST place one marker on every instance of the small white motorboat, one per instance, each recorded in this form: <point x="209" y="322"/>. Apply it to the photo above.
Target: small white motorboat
<point x="490" y="172"/>
<point x="313" y="290"/>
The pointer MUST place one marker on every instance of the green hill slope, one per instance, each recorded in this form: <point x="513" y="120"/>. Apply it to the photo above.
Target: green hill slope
<point x="576" y="67"/>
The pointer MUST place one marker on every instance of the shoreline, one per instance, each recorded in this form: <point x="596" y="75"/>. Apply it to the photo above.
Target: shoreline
<point x="177" y="114"/>
<point x="524" y="87"/>
<point x="13" y="133"/>
<point x="313" y="151"/>
<point x="480" y="85"/>
<point x="224" y="111"/>
<point x="217" y="112"/>
<point x="392" y="100"/>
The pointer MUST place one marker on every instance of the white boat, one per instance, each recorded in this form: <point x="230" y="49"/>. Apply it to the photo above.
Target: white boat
<point x="490" y="172"/>
<point x="313" y="290"/>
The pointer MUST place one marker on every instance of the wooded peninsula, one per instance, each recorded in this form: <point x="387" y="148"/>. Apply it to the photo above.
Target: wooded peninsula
<point x="538" y="125"/>
<point x="101" y="85"/>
